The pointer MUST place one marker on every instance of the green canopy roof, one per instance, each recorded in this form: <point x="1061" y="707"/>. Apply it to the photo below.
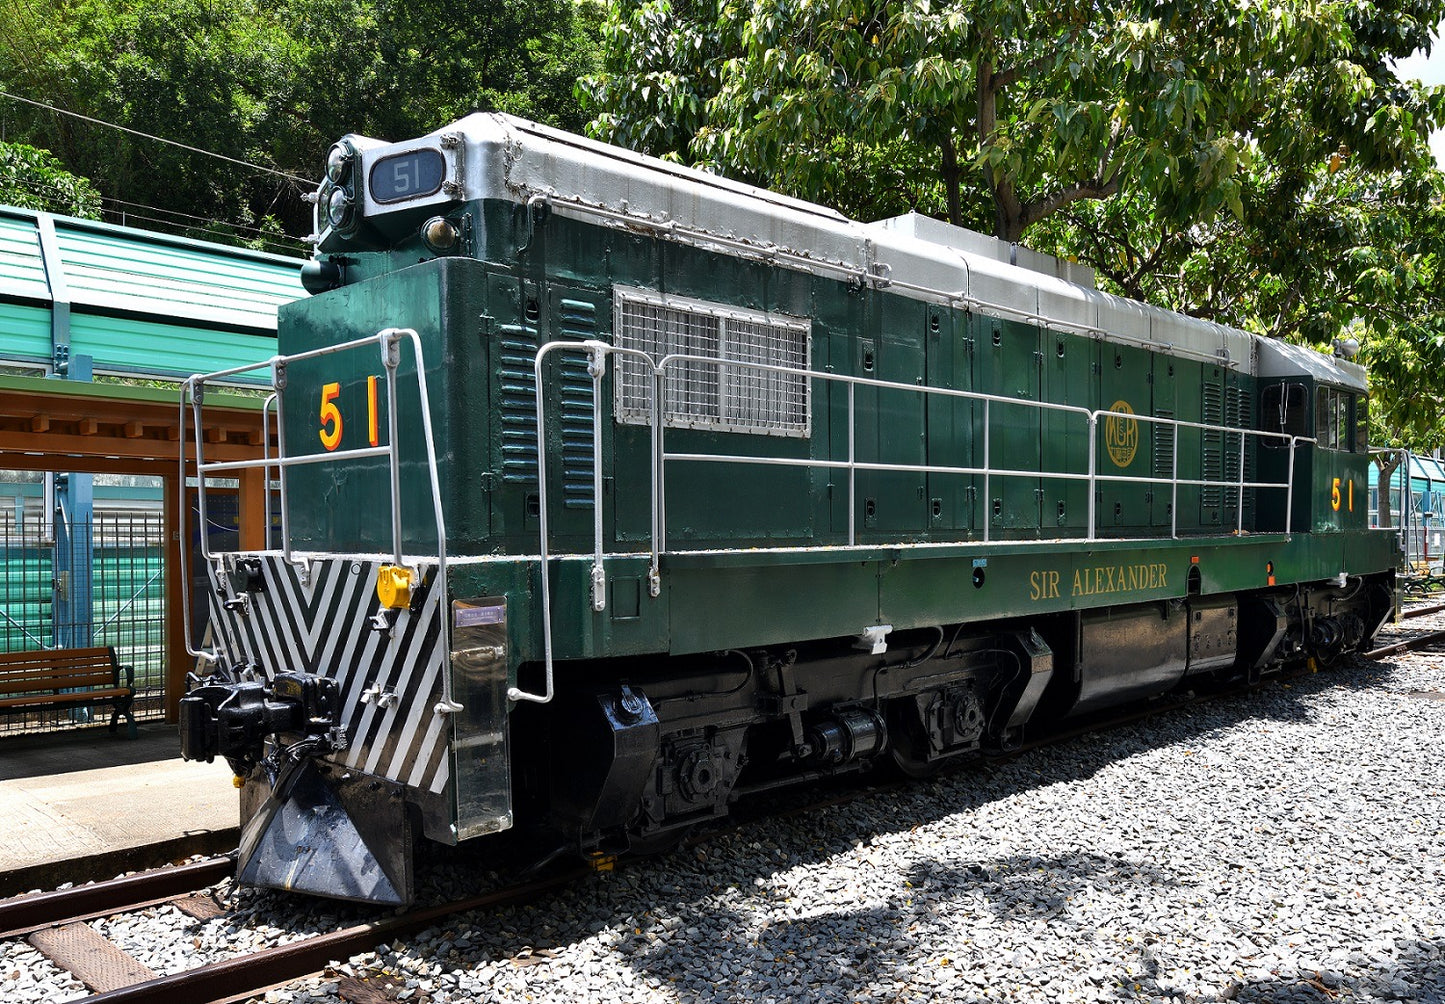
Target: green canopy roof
<point x="136" y="302"/>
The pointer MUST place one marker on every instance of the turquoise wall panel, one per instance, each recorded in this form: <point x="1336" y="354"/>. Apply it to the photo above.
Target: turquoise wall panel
<point x="24" y="332"/>
<point x="140" y="346"/>
<point x="22" y="273"/>
<point x="209" y="284"/>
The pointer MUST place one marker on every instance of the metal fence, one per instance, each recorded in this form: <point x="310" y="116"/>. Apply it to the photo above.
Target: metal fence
<point x="100" y="582"/>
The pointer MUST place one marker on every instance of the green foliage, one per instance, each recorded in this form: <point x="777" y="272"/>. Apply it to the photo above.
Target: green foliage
<point x="35" y="179"/>
<point x="1256" y="164"/>
<point x="1031" y="106"/>
<point x="272" y="85"/>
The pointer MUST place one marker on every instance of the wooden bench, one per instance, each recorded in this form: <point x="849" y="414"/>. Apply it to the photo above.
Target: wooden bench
<point x="67" y="677"/>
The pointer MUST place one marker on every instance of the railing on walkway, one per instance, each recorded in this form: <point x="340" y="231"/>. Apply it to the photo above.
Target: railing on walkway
<point x="597" y="353"/>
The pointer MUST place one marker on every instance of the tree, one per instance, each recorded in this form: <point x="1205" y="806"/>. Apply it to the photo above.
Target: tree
<point x="1035" y="106"/>
<point x="34" y="179"/>
<point x="270" y="85"/>
<point x="1260" y="166"/>
<point x="1350" y="253"/>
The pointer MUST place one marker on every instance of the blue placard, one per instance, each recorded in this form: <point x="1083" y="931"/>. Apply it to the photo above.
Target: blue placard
<point x="412" y="175"/>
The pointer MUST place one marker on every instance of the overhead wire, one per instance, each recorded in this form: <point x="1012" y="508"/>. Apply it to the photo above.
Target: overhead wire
<point x="59" y="203"/>
<point x="159" y="139"/>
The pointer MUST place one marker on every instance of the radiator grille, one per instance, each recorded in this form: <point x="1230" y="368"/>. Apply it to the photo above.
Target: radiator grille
<point x="712" y="395"/>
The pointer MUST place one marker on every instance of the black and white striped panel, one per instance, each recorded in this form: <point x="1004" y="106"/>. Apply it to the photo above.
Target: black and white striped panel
<point x="322" y="625"/>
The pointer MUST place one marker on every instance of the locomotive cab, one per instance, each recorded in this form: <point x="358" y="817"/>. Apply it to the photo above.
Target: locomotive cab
<point x="1316" y="410"/>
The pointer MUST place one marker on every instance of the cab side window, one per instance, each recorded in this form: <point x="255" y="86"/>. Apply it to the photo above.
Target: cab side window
<point x="1284" y="408"/>
<point x="1326" y="426"/>
<point x="1340" y="420"/>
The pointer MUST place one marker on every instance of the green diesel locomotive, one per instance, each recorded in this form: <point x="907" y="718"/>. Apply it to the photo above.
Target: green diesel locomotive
<point x="612" y="490"/>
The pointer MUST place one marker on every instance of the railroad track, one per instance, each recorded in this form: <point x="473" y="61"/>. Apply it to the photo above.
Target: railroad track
<point x="55" y="922"/>
<point x="25" y="915"/>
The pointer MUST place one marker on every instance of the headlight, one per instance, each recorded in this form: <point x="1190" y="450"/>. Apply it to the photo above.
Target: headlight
<point x="338" y="209"/>
<point x="439" y="234"/>
<point x="338" y="161"/>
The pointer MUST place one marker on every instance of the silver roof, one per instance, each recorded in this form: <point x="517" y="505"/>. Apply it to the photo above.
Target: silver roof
<point x="1281" y="359"/>
<point x="507" y="157"/>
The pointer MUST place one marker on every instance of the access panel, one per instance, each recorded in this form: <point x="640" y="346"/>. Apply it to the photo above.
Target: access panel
<point x="1007" y="363"/>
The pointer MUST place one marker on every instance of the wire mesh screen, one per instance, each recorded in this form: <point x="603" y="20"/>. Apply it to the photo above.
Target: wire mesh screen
<point x="84" y="584"/>
<point x="698" y="393"/>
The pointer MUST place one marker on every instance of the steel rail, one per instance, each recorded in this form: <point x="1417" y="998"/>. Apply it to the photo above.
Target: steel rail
<point x="240" y="977"/>
<point x="26" y="914"/>
<point x="1408" y="645"/>
<point x="1421" y="611"/>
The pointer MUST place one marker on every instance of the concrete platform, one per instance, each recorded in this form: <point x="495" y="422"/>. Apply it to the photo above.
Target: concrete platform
<point x="84" y="804"/>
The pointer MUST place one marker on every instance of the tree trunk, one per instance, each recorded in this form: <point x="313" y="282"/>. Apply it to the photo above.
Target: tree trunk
<point x="1008" y="224"/>
<point x="951" y="181"/>
<point x="1387" y="469"/>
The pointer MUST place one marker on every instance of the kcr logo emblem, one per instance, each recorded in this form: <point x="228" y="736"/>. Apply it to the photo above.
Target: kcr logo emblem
<point x="1121" y="435"/>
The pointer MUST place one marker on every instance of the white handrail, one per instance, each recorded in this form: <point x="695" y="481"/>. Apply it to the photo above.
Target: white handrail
<point x="597" y="351"/>
<point x="388" y="340"/>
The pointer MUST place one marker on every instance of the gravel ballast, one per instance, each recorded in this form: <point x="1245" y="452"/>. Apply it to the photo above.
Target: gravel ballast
<point x="1286" y="845"/>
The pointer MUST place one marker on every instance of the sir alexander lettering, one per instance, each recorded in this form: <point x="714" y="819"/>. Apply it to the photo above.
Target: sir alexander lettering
<point x="1044" y="585"/>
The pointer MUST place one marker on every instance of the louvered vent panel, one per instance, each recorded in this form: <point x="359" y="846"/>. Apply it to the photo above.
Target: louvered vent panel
<point x="571" y="401"/>
<point x="1239" y="413"/>
<point x="576" y="319"/>
<point x="1212" y="446"/>
<point x="517" y="350"/>
<point x="1163" y="446"/>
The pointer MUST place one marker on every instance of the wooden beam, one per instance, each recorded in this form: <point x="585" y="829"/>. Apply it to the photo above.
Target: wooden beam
<point x="14" y="441"/>
<point x="133" y="430"/>
<point x="87" y="426"/>
<point x="30" y="461"/>
<point x="39" y="423"/>
<point x="252" y="509"/>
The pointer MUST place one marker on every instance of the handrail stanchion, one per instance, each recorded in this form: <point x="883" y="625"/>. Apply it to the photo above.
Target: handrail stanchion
<point x="654" y="572"/>
<point x="278" y="380"/>
<point x="434" y="472"/>
<point x="198" y="391"/>
<point x="852" y="469"/>
<point x="1239" y="506"/>
<point x="1093" y="507"/>
<point x="1289" y="491"/>
<point x="183" y="504"/>
<point x="517" y="693"/>
<point x="390" y="360"/>
<point x="657" y="396"/>
<point x="596" y="369"/>
<point x="266" y="456"/>
<point x="987" y="466"/>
